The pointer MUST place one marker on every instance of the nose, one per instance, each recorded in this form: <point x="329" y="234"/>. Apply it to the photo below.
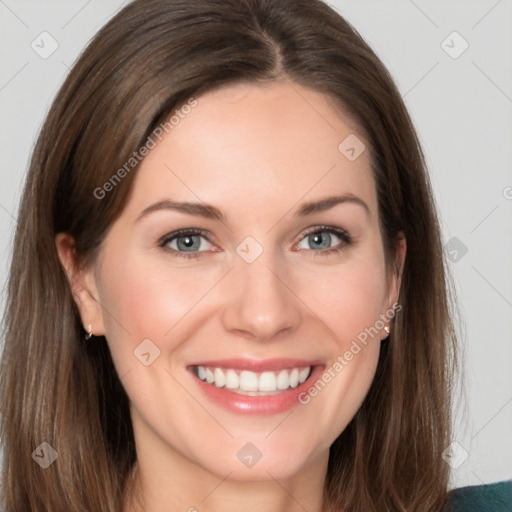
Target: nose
<point x="261" y="304"/>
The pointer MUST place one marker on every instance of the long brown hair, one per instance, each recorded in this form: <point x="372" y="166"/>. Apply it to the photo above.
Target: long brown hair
<point x="147" y="61"/>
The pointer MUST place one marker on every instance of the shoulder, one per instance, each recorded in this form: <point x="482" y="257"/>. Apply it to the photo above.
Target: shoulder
<point x="495" y="497"/>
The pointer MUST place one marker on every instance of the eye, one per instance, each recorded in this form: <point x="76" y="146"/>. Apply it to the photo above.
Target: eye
<point x="186" y="243"/>
<point x="325" y="239"/>
<point x="190" y="243"/>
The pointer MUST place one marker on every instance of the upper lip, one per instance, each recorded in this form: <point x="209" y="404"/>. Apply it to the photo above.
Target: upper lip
<point x="258" y="365"/>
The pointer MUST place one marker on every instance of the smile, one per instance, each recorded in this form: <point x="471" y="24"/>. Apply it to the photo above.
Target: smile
<point x="246" y="382"/>
<point x="249" y="386"/>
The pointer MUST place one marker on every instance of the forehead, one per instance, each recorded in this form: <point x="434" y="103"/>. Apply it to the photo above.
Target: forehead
<point x="276" y="143"/>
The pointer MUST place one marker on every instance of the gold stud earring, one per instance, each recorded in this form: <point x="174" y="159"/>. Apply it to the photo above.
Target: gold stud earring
<point x="88" y="336"/>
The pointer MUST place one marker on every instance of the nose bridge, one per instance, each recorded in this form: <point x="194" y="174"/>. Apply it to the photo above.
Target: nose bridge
<point x="260" y="303"/>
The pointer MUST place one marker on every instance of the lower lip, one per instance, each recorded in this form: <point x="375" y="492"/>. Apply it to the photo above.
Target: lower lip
<point x="263" y="405"/>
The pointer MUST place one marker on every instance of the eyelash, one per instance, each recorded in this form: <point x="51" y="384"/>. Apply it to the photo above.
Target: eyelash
<point x="341" y="233"/>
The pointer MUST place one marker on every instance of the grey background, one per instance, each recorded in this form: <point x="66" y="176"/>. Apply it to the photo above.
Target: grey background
<point x="462" y="109"/>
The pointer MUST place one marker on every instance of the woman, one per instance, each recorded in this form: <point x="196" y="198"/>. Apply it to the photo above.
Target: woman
<point x="227" y="284"/>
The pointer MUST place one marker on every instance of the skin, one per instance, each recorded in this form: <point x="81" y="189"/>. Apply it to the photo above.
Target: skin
<point x="256" y="152"/>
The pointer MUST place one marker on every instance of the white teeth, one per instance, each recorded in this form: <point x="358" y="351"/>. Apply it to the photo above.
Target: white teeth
<point x="294" y="378"/>
<point x="248" y="381"/>
<point x="283" y="380"/>
<point x="251" y="383"/>
<point x="209" y="376"/>
<point x="220" y="378"/>
<point x="201" y="372"/>
<point x="267" y="381"/>
<point x="303" y="375"/>
<point x="232" y="379"/>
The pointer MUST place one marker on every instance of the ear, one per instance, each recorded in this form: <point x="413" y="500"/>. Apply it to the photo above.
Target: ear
<point x="395" y="278"/>
<point x="83" y="286"/>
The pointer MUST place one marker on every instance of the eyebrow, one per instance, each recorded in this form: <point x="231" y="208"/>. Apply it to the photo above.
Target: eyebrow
<point x="208" y="211"/>
<point x="329" y="202"/>
<point x="199" y="209"/>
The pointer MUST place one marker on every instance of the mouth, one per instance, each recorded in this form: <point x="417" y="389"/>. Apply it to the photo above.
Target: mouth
<point x="248" y="386"/>
<point x="249" y="383"/>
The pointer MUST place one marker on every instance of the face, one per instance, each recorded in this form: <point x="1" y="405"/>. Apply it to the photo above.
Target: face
<point x="242" y="290"/>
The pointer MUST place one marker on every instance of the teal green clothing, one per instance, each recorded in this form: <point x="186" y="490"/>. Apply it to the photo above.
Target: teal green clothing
<point x="482" y="498"/>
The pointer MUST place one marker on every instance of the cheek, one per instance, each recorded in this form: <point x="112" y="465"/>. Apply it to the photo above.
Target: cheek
<point x="142" y="300"/>
<point x="350" y="307"/>
<point x="348" y="299"/>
